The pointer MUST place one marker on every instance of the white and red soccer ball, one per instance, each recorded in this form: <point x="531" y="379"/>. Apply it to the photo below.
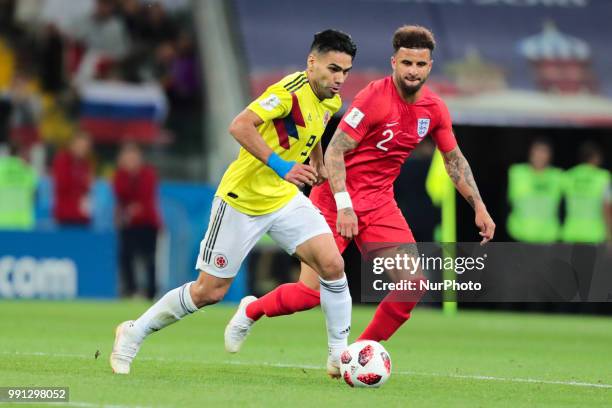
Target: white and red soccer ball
<point x="365" y="364"/>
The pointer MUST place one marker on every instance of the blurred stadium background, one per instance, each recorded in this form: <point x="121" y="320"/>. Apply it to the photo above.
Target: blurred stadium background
<point x="170" y="75"/>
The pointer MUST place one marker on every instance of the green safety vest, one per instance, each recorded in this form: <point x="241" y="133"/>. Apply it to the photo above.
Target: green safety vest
<point x="17" y="188"/>
<point x="585" y="187"/>
<point x="535" y="197"/>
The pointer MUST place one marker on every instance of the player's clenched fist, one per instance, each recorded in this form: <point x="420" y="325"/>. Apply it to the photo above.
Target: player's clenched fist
<point x="485" y="224"/>
<point x="346" y="223"/>
<point x="293" y="172"/>
<point x="301" y="174"/>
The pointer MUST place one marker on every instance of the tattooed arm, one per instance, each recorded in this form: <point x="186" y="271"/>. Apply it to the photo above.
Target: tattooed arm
<point x="340" y="144"/>
<point x="460" y="172"/>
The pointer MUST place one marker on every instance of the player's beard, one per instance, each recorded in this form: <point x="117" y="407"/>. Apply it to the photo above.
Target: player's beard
<point x="409" y="90"/>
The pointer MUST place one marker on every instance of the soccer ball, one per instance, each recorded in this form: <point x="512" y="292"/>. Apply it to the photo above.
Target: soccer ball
<point x="365" y="364"/>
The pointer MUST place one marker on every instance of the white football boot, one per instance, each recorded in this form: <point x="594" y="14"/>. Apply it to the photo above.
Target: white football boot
<point x="333" y="363"/>
<point x="124" y="349"/>
<point x="239" y="327"/>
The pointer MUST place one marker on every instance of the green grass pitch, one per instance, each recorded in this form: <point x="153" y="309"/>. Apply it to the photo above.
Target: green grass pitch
<point x="471" y="360"/>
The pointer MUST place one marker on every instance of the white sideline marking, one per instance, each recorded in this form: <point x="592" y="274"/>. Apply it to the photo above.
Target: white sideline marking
<point x="469" y="377"/>
<point x="316" y="367"/>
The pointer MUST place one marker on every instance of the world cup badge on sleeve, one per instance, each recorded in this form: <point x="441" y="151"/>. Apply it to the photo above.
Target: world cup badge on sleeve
<point x="422" y="126"/>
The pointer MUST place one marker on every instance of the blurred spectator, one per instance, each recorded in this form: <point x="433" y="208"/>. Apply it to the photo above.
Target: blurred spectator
<point x="133" y="17"/>
<point x="102" y="31"/>
<point x="608" y="205"/>
<point x="164" y="58"/>
<point x="7" y="16"/>
<point x="72" y="178"/>
<point x="138" y="219"/>
<point x="158" y="26"/>
<point x="17" y="187"/>
<point x="104" y="37"/>
<point x="25" y="112"/>
<point x="534" y="191"/>
<point x="183" y="88"/>
<point x="5" y="120"/>
<point x="586" y="188"/>
<point x="175" y="5"/>
<point x="139" y="47"/>
<point x="52" y="60"/>
<point x="154" y="42"/>
<point x="7" y="67"/>
<point x="59" y="13"/>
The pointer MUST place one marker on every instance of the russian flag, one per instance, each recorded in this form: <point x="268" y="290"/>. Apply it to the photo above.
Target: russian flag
<point x="114" y="111"/>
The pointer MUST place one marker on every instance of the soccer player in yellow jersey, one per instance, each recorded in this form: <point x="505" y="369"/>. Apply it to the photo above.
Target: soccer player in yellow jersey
<point x="259" y="193"/>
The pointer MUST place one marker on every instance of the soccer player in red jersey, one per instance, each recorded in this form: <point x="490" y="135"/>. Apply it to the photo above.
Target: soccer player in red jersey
<point x="384" y="124"/>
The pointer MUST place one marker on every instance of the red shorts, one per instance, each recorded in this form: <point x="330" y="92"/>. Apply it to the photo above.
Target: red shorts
<point x="380" y="225"/>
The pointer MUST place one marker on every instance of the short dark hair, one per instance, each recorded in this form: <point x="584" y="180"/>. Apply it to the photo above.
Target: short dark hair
<point x="588" y="151"/>
<point x="413" y="36"/>
<point x="542" y="140"/>
<point x="333" y="40"/>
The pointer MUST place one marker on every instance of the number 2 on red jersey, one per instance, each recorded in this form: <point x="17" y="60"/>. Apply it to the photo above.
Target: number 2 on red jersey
<point x="388" y="136"/>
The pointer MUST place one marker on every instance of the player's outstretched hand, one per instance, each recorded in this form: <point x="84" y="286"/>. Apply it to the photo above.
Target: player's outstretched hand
<point x="301" y="174"/>
<point x="347" y="223"/>
<point x="485" y="224"/>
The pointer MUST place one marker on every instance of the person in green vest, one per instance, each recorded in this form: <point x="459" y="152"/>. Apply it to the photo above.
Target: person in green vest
<point x="534" y="192"/>
<point x="17" y="190"/>
<point x="586" y="190"/>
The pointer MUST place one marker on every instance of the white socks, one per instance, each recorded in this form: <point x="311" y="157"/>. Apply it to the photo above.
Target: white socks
<point x="173" y="306"/>
<point x="336" y="305"/>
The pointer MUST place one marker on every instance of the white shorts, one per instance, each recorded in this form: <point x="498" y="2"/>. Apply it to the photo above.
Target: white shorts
<point x="231" y="234"/>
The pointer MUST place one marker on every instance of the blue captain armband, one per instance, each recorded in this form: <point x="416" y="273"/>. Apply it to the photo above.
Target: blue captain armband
<point x="279" y="165"/>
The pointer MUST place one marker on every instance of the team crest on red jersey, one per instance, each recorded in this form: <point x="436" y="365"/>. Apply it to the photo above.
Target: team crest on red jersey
<point x="422" y="126"/>
<point x="326" y="117"/>
<point x="220" y="261"/>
